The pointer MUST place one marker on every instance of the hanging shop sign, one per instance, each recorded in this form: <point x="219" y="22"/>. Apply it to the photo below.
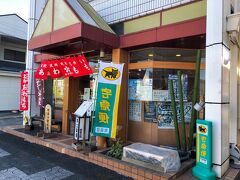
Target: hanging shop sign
<point x="24" y="91"/>
<point x="109" y="83"/>
<point x="39" y="92"/>
<point x="203" y="169"/>
<point x="68" y="67"/>
<point x="42" y="71"/>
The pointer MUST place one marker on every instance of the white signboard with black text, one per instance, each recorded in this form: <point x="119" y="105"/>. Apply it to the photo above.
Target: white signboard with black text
<point x="83" y="108"/>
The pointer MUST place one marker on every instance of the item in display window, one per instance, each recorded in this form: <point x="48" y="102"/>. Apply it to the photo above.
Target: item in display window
<point x="87" y="93"/>
<point x="140" y="89"/>
<point x="174" y="78"/>
<point x="134" y="110"/>
<point x="150" y="111"/>
<point x="160" y="95"/>
<point x="164" y="114"/>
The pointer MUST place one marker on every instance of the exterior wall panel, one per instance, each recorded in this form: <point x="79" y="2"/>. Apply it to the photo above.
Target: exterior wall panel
<point x="9" y="88"/>
<point x="113" y="11"/>
<point x="183" y="13"/>
<point x="142" y="23"/>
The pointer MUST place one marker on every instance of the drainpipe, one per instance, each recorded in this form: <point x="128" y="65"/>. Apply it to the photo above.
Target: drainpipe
<point x="233" y="24"/>
<point x="34" y="13"/>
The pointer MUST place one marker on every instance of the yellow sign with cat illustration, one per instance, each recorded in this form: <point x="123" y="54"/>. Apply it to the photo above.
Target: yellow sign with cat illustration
<point x="108" y="92"/>
<point x="111" y="73"/>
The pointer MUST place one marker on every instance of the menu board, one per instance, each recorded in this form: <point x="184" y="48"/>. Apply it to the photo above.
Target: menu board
<point x="140" y="90"/>
<point x="150" y="111"/>
<point x="135" y="110"/>
<point x="164" y="114"/>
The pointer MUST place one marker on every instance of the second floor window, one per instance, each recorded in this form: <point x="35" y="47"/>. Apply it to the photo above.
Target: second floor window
<point x="14" y="55"/>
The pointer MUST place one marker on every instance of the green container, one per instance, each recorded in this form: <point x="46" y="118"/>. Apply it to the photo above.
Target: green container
<point x="203" y="169"/>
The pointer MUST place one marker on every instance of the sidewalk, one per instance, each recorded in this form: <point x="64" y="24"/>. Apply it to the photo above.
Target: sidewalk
<point x="9" y="114"/>
<point x="62" y="143"/>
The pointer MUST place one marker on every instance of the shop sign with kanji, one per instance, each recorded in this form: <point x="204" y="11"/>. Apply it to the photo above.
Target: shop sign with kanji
<point x="109" y="83"/>
<point x="75" y="66"/>
<point x="24" y="91"/>
<point x="204" y="143"/>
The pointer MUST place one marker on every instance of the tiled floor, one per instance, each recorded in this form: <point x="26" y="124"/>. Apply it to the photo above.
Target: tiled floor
<point x="231" y="174"/>
<point x="66" y="141"/>
<point x="21" y="160"/>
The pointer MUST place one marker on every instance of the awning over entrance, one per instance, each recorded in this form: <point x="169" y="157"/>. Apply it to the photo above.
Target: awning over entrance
<point x="70" y="26"/>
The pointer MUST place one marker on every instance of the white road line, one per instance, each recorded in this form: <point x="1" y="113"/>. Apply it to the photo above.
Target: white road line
<point x="3" y="153"/>
<point x="49" y="174"/>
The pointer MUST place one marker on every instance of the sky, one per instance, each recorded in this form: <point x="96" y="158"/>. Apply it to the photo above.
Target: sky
<point x="19" y="7"/>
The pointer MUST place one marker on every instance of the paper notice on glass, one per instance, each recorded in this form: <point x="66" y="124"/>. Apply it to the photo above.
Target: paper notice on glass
<point x="134" y="110"/>
<point x="160" y="95"/>
<point x="83" y="108"/>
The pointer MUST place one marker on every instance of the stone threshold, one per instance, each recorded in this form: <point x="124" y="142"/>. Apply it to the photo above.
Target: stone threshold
<point x="98" y="158"/>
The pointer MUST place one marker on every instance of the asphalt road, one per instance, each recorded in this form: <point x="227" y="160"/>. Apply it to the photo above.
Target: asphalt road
<point x="10" y="121"/>
<point x="22" y="160"/>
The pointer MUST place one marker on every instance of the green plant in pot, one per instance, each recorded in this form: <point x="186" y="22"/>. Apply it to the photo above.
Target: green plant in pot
<point x="116" y="150"/>
<point x="184" y="147"/>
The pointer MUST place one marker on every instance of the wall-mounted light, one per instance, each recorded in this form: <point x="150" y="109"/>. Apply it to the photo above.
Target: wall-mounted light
<point x="150" y="55"/>
<point x="102" y="53"/>
<point x="226" y="56"/>
<point x="178" y="55"/>
<point x="199" y="106"/>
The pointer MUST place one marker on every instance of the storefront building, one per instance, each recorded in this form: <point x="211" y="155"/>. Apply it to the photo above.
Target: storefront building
<point x="154" y="39"/>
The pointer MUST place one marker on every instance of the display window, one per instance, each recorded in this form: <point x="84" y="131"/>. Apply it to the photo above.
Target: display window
<point x="149" y="94"/>
<point x="164" y="54"/>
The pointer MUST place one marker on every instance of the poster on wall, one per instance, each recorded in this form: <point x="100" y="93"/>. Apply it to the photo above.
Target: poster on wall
<point x="164" y="114"/>
<point x="134" y="110"/>
<point x="160" y="95"/>
<point x="140" y="90"/>
<point x="174" y="78"/>
<point x="150" y="111"/>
